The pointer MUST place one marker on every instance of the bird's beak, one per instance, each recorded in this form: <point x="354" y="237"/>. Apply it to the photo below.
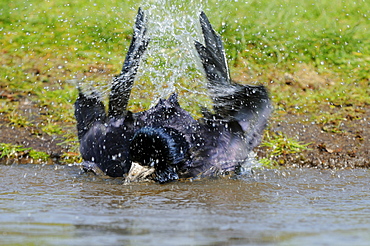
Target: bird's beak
<point x="138" y="173"/>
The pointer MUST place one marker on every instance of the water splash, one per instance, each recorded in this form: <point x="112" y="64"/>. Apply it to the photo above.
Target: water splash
<point x="171" y="63"/>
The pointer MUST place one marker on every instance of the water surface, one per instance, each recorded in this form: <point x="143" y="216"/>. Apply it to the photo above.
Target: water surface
<point x="58" y="205"/>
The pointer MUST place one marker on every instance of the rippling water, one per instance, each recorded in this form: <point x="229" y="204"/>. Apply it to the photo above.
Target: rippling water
<point x="54" y="205"/>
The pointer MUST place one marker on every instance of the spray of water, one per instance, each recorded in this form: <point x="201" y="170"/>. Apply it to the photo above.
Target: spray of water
<point x="171" y="63"/>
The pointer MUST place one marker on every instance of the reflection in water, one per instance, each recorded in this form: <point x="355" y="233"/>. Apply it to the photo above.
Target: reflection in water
<point x="59" y="205"/>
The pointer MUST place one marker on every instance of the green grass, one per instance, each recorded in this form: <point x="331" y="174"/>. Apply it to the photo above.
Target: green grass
<point x="278" y="146"/>
<point x="13" y="151"/>
<point x="310" y="54"/>
<point x="38" y="155"/>
<point x="10" y="150"/>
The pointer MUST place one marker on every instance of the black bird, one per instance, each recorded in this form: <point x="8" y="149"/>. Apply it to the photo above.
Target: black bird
<point x="166" y="139"/>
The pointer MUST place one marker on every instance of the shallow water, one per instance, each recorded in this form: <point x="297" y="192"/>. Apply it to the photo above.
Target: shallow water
<point x="57" y="205"/>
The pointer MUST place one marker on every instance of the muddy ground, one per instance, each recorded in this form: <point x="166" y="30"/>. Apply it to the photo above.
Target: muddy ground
<point x="333" y="145"/>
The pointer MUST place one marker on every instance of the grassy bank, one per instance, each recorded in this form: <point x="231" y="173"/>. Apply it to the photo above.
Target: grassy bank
<point x="313" y="56"/>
